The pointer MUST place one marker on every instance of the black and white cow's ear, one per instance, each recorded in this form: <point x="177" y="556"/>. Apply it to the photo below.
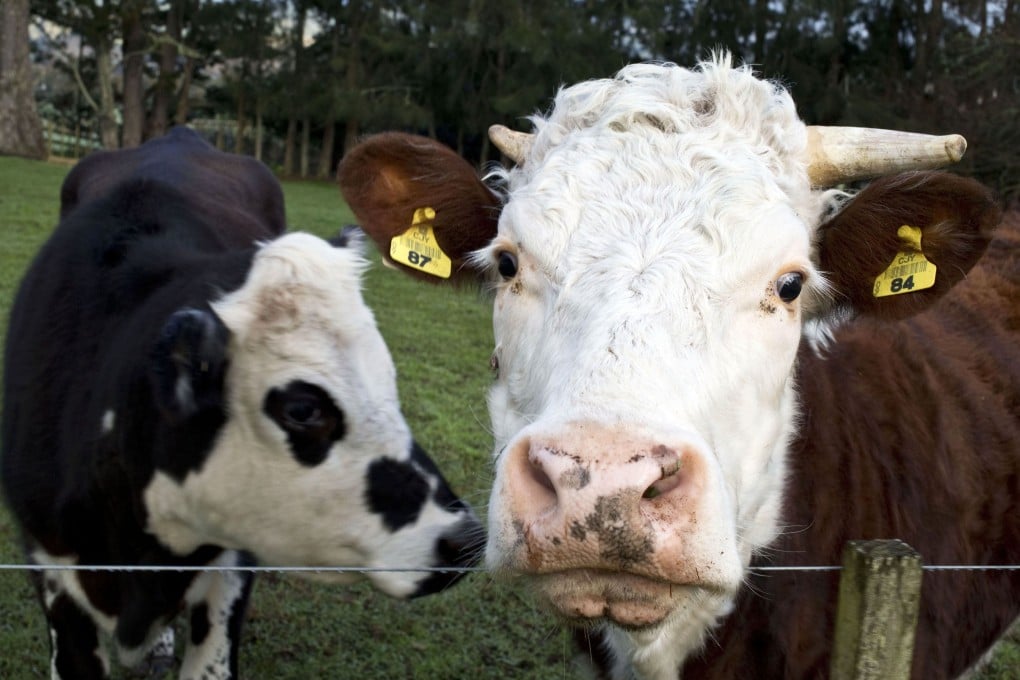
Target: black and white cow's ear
<point x="350" y="236"/>
<point x="188" y="363"/>
<point x="904" y="241"/>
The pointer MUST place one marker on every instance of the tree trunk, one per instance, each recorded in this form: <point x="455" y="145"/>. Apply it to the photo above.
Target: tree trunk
<point x="929" y="27"/>
<point x="326" y="153"/>
<point x="258" y="94"/>
<point x="183" y="94"/>
<point x="107" y="108"/>
<point x="288" y="147"/>
<point x="160" y="120"/>
<point x="352" y="78"/>
<point x="134" y="65"/>
<point x="258" y="128"/>
<point x="20" y="128"/>
<point x="329" y="131"/>
<point x="297" y="45"/>
<point x="352" y="130"/>
<point x="242" y="120"/>
<point x="761" y="11"/>
<point x="306" y="138"/>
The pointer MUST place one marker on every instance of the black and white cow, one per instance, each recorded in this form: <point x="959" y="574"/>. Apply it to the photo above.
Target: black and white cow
<point x="184" y="385"/>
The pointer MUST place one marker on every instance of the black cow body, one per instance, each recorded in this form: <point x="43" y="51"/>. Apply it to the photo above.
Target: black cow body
<point x="121" y="395"/>
<point x="83" y="352"/>
<point x="236" y="193"/>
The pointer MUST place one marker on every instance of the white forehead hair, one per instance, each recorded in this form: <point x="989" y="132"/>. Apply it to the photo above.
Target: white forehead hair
<point x="659" y="155"/>
<point x="294" y="278"/>
<point x="723" y="104"/>
<point x="713" y="115"/>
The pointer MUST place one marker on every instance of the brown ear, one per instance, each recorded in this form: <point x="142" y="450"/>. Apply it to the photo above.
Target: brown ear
<point x="956" y="217"/>
<point x="388" y="177"/>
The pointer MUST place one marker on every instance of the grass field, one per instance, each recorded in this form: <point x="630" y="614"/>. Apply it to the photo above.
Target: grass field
<point x="440" y="341"/>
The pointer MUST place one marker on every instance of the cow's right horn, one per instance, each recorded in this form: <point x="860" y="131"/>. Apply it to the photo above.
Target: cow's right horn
<point x="844" y="154"/>
<point x="512" y="143"/>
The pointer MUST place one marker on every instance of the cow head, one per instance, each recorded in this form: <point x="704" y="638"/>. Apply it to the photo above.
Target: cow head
<point x="657" y="255"/>
<point x="309" y="460"/>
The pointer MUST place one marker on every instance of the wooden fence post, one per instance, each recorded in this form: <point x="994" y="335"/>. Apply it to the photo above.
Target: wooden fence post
<point x="879" y="595"/>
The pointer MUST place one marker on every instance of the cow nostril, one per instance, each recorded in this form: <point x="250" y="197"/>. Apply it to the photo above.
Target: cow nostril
<point x="542" y="485"/>
<point x="541" y="478"/>
<point x="663" y="486"/>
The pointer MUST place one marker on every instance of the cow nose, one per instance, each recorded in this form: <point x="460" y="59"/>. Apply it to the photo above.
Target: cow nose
<point x="556" y="474"/>
<point x="598" y="497"/>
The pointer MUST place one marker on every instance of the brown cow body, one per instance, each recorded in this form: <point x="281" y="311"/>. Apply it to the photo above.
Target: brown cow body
<point x="944" y="476"/>
<point x="681" y="394"/>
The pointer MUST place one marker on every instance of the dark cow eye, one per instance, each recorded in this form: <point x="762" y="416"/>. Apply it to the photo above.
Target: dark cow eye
<point x="302" y="413"/>
<point x="507" y="264"/>
<point x="309" y="417"/>
<point x="789" y="285"/>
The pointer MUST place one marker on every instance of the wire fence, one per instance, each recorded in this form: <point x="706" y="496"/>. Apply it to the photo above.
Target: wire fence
<point x="256" y="569"/>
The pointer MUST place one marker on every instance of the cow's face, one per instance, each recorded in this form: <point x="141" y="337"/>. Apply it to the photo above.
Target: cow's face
<point x="657" y="258"/>
<point x="652" y="288"/>
<point x="314" y="464"/>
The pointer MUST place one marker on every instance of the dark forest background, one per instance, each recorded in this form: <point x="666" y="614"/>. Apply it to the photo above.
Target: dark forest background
<point x="295" y="82"/>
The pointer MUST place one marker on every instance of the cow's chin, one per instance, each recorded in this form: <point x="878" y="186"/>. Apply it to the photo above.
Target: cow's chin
<point x="588" y="596"/>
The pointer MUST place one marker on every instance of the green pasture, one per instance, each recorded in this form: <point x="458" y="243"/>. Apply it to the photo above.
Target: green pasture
<point x="440" y="341"/>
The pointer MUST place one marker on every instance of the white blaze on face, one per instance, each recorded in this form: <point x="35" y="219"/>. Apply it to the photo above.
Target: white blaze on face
<point x="645" y="354"/>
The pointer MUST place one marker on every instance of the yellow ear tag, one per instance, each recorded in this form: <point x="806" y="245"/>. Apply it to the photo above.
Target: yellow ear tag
<point x="910" y="270"/>
<point x="417" y="247"/>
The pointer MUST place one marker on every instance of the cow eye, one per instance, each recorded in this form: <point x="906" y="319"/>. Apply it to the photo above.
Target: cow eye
<point x="302" y="413"/>
<point x="789" y="285"/>
<point x="507" y="264"/>
<point x="310" y="418"/>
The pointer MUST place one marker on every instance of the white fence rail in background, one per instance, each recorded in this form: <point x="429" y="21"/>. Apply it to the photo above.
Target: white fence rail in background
<point x="64" y="142"/>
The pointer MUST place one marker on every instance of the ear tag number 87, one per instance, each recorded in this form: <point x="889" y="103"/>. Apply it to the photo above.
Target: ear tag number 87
<point x="417" y="247"/>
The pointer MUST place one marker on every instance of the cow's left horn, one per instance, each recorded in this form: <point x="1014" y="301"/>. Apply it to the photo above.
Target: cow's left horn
<point x="844" y="154"/>
<point x="512" y="143"/>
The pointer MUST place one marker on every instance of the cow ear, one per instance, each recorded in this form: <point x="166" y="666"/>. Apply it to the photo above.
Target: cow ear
<point x="349" y="236"/>
<point x="188" y="364"/>
<point x="906" y="240"/>
<point x="399" y="184"/>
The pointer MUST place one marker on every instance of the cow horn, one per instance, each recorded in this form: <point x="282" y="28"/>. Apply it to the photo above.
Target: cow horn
<point x="844" y="154"/>
<point x="512" y="143"/>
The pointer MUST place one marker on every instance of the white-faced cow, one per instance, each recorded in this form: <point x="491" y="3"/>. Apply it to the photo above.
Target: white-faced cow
<point x="707" y="360"/>
<point x="184" y="385"/>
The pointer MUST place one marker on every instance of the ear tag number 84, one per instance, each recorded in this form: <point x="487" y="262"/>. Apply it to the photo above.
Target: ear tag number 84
<point x="910" y="270"/>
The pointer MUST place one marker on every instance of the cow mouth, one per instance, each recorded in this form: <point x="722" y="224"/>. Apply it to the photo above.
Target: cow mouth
<point x="587" y="596"/>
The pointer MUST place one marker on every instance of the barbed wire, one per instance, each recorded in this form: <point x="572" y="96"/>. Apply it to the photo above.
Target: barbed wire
<point x="257" y="569"/>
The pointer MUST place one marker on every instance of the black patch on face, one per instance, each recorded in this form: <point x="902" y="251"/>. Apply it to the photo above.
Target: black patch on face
<point x="462" y="546"/>
<point x="309" y="416"/>
<point x="443" y="496"/>
<point x="199" y="623"/>
<point x="396" y="490"/>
